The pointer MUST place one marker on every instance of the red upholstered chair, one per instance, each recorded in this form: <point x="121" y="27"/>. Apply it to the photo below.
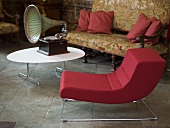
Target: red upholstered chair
<point x="135" y="79"/>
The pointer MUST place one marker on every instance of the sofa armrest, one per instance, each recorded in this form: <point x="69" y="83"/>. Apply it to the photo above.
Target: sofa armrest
<point x="142" y="37"/>
<point x="16" y="17"/>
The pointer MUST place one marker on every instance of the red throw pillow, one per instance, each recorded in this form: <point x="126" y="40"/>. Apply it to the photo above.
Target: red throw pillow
<point x="83" y="21"/>
<point x="139" y="28"/>
<point x="101" y="22"/>
<point x="153" y="29"/>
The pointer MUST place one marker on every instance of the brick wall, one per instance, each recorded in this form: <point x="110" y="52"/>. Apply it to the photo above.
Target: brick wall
<point x="71" y="9"/>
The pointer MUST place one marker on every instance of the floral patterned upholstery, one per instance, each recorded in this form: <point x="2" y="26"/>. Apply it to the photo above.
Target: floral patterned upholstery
<point x="116" y="44"/>
<point x="6" y="28"/>
<point x="126" y="14"/>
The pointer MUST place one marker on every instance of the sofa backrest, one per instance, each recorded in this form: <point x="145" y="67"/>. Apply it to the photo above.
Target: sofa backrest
<point x="126" y="12"/>
<point x="1" y="13"/>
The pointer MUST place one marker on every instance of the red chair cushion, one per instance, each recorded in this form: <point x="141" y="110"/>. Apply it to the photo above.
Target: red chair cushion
<point x="87" y="87"/>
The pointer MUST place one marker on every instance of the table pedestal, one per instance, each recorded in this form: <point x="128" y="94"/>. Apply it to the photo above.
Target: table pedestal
<point x="30" y="79"/>
<point x="60" y="70"/>
<point x="27" y="76"/>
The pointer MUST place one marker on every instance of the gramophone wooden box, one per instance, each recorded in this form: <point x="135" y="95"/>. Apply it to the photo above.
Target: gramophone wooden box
<point x="52" y="47"/>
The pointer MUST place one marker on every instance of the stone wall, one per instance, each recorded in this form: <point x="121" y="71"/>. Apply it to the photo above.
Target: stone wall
<point x="71" y="9"/>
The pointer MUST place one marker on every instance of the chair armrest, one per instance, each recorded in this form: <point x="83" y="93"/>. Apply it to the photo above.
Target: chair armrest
<point x="16" y="17"/>
<point x="142" y="37"/>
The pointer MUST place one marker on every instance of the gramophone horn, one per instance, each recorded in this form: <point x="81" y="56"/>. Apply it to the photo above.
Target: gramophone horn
<point x="35" y="24"/>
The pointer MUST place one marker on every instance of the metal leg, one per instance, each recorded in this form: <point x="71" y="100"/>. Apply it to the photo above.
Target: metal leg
<point x="154" y="115"/>
<point x="62" y="109"/>
<point x="27" y="76"/>
<point x="120" y="119"/>
<point x="60" y="70"/>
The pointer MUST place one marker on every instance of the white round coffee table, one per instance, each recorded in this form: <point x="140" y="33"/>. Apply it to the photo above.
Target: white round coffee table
<point x="31" y="55"/>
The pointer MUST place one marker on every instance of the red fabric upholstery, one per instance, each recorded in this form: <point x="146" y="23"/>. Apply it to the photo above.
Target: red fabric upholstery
<point x="139" y="28"/>
<point x="137" y="76"/>
<point x="83" y="21"/>
<point x="101" y="22"/>
<point x="153" y="29"/>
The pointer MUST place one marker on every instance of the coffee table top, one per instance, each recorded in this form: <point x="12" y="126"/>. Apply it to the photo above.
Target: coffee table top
<point x="31" y="55"/>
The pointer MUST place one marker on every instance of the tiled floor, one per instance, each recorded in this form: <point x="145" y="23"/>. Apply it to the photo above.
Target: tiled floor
<point x="31" y="106"/>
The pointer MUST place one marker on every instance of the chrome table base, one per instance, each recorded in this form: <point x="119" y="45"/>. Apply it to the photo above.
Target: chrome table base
<point x="60" y="70"/>
<point x="30" y="79"/>
<point x="27" y="76"/>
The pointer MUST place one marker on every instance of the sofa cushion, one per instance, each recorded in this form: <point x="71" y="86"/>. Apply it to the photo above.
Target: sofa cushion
<point x="101" y="22"/>
<point x="153" y="29"/>
<point x="83" y="21"/>
<point x="6" y="28"/>
<point x="139" y="28"/>
<point x="116" y="44"/>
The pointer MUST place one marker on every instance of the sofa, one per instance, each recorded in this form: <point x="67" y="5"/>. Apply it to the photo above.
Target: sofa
<point x="126" y="15"/>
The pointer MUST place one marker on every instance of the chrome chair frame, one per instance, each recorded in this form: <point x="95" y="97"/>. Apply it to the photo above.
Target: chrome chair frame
<point x="107" y="119"/>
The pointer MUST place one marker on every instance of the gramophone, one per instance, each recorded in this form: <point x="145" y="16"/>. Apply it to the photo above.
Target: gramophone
<point x="35" y="25"/>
